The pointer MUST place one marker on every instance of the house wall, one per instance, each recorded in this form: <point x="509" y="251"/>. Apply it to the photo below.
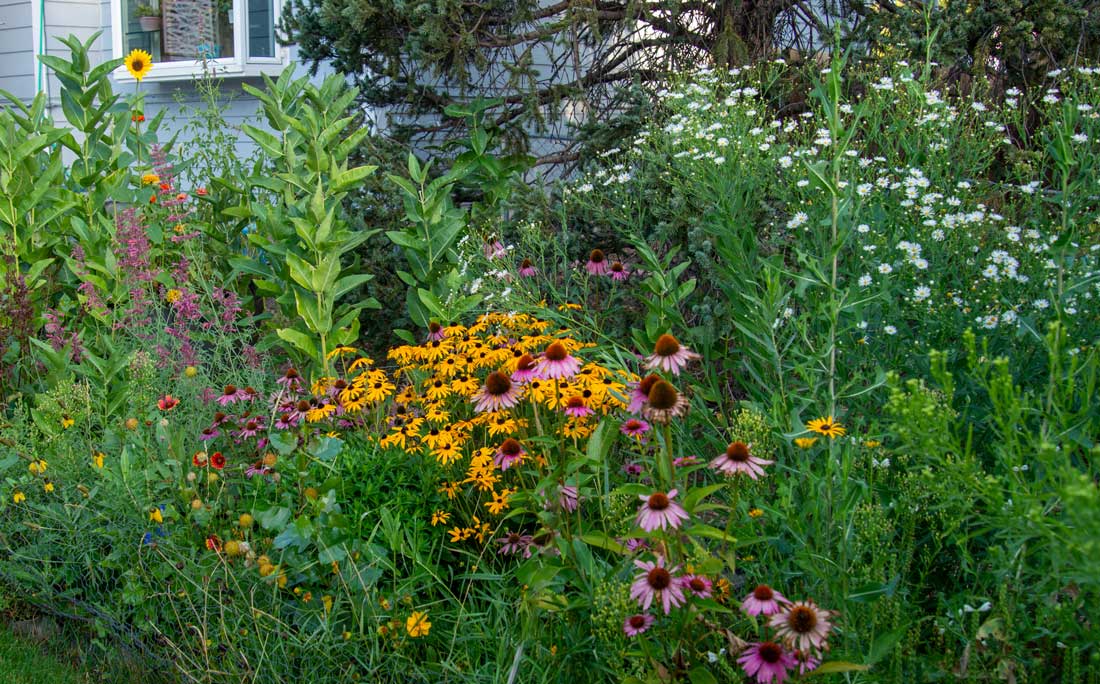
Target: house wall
<point x="21" y="74"/>
<point x="17" y="48"/>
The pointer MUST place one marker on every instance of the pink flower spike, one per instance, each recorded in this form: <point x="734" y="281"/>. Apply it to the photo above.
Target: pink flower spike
<point x="660" y="511"/>
<point x="767" y="661"/>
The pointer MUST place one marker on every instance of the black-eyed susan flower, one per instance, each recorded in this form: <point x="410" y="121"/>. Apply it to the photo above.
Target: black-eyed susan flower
<point x="827" y="426"/>
<point x="138" y="63"/>
<point x="440" y="518"/>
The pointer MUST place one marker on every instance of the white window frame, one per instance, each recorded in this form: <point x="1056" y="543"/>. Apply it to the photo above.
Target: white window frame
<point x="241" y="65"/>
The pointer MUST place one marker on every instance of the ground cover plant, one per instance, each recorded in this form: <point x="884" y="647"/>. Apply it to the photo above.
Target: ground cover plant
<point x="768" y="394"/>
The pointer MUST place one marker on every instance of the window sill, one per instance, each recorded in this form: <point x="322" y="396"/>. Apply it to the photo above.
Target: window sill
<point x="166" y="72"/>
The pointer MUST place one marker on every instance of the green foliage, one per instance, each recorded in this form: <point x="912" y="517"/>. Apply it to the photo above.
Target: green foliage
<point x="305" y="232"/>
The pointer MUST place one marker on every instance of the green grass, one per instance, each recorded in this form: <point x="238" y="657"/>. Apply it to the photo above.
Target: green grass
<point x="25" y="662"/>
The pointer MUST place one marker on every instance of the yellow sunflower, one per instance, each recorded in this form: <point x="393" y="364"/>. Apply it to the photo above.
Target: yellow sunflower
<point x="828" y="427"/>
<point x="138" y="63"/>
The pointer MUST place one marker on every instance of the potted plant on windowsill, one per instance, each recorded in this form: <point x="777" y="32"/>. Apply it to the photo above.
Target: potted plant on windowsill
<point x="148" y="17"/>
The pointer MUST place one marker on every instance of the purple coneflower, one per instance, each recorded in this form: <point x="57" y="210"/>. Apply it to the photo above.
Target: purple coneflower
<point x="498" y="393"/>
<point x="685" y="461"/>
<point x="640" y="394"/>
<point x="527" y="269"/>
<point x="250" y="428"/>
<point x="698" y="585"/>
<point x="220" y="418"/>
<point x="767" y="661"/>
<point x="656" y="582"/>
<point x="256" y="469"/>
<point x="802" y="625"/>
<point x="634" y="427"/>
<point x="230" y="394"/>
<point x="669" y="355"/>
<point x="514" y="542"/>
<point x="494" y="249"/>
<point x="634" y="469"/>
<point x="568" y="498"/>
<point x="618" y="271"/>
<point x="737" y="459"/>
<point x="435" y="332"/>
<point x="576" y="407"/>
<point x="636" y="624"/>
<point x="509" y="453"/>
<point x="285" y="421"/>
<point x="635" y="544"/>
<point x="557" y="363"/>
<point x="806" y="661"/>
<point x="291" y="379"/>
<point x="660" y="511"/>
<point x="597" y="263"/>
<point x="526" y="369"/>
<point x="209" y="433"/>
<point x="763" y="601"/>
<point x="664" y="403"/>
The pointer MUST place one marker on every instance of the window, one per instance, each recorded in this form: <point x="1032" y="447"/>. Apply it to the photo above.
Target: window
<point x="235" y="37"/>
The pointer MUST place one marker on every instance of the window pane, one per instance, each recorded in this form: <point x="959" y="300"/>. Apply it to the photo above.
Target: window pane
<point x="179" y="30"/>
<point x="261" y="35"/>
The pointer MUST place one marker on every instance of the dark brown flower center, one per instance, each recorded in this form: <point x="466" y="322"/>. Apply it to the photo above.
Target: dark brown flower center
<point x="647" y="383"/>
<point x="658" y="578"/>
<point x="497" y="384"/>
<point x="250" y="425"/>
<point x="229" y="390"/>
<point x="575" y="402"/>
<point x="556" y="352"/>
<point x="667" y="345"/>
<point x="697" y="584"/>
<point x="302" y="405"/>
<point x="802" y="619"/>
<point x="291" y="373"/>
<point x="526" y="263"/>
<point x="513" y="538"/>
<point x="617" y="267"/>
<point x="525" y="363"/>
<point x="510" y="447"/>
<point x="658" y="501"/>
<point x="597" y="256"/>
<point x="738" y="451"/>
<point x="434" y="327"/>
<point x="339" y="384"/>
<point x="138" y="65"/>
<point x="763" y="592"/>
<point x="663" y="396"/>
<point x="633" y="424"/>
<point x="637" y="621"/>
<point x="769" y="652"/>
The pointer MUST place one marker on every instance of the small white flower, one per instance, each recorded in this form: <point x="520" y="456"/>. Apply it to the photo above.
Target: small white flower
<point x="885" y="269"/>
<point x="864" y="280"/>
<point x="890" y="330"/>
